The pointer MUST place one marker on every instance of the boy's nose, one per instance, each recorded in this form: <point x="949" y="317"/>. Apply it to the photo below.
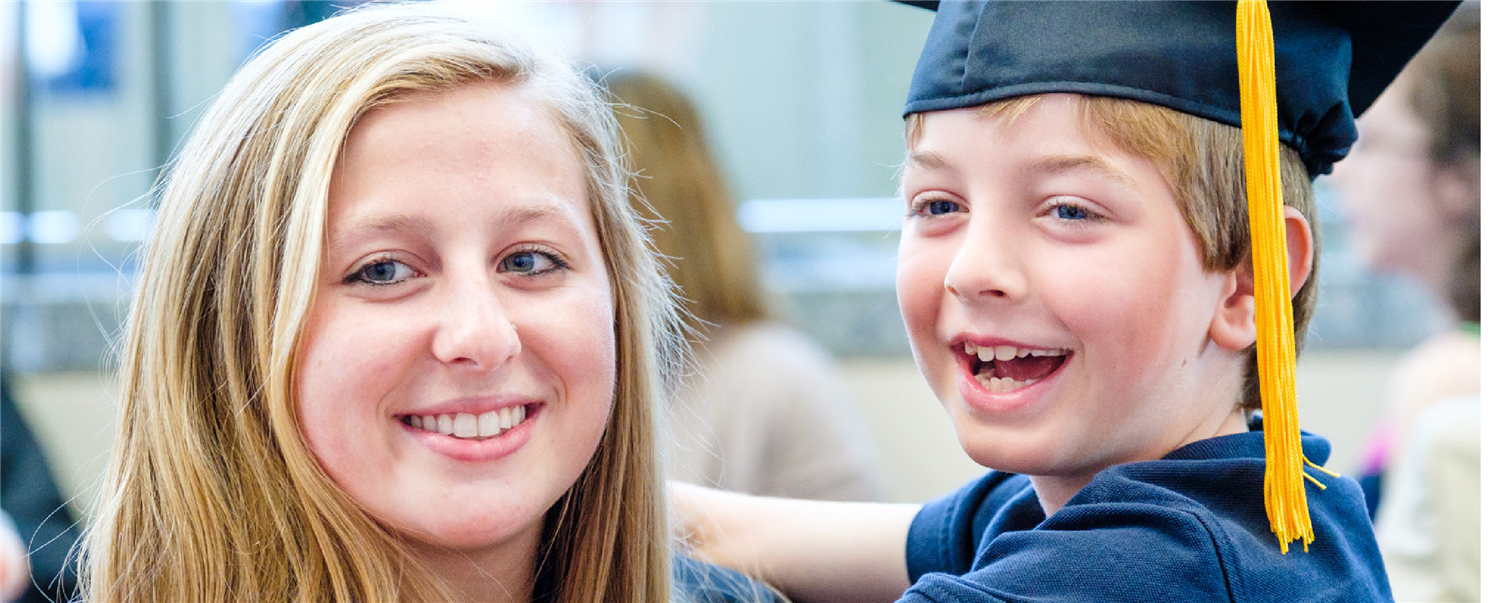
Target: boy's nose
<point x="474" y="330"/>
<point x="985" y="267"/>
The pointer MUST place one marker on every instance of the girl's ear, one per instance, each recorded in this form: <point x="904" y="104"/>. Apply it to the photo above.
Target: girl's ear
<point x="1233" y="325"/>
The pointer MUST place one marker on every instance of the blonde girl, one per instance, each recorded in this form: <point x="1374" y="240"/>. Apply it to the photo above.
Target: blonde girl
<point x="241" y="469"/>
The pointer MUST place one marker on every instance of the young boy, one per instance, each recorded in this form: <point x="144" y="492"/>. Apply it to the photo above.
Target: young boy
<point x="1076" y="280"/>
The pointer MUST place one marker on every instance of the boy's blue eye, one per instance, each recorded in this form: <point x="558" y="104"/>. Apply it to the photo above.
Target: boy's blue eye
<point x="1071" y="212"/>
<point x="940" y="207"/>
<point x="381" y="272"/>
<point x="530" y="263"/>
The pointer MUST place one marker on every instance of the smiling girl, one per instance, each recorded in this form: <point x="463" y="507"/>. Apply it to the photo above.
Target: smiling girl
<point x="398" y="336"/>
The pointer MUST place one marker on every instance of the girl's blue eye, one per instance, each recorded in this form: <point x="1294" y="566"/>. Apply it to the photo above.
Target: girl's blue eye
<point x="530" y="263"/>
<point x="381" y="272"/>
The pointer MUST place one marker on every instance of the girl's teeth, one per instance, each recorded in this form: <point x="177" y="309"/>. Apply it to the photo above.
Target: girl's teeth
<point x="489" y="424"/>
<point x="465" y="425"/>
<point x="470" y="426"/>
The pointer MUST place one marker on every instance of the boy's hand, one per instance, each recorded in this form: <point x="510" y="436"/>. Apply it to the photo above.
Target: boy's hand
<point x="813" y="551"/>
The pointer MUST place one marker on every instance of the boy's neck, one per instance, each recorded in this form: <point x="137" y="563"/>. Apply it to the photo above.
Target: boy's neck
<point x="1055" y="491"/>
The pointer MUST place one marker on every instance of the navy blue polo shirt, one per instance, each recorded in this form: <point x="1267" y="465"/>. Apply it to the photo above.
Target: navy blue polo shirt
<point x="1189" y="527"/>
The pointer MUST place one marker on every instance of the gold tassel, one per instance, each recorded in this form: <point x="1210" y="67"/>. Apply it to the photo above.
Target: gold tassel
<point x="1286" y="496"/>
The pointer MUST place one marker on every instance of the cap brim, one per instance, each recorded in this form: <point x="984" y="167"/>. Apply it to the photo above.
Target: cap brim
<point x="931" y="5"/>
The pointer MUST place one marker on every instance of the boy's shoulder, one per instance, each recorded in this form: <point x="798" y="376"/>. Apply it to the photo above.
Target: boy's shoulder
<point x="1191" y="526"/>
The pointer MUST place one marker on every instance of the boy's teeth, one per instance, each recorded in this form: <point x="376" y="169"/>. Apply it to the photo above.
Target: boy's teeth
<point x="1005" y="384"/>
<point x="470" y="426"/>
<point x="1005" y="353"/>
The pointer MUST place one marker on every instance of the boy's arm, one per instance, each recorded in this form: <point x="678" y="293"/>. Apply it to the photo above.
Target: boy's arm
<point x="813" y="551"/>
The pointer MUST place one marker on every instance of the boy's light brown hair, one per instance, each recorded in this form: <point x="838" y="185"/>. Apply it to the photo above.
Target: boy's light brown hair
<point x="1203" y="162"/>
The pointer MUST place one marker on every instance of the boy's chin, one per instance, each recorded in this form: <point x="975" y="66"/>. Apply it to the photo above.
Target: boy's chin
<point x="990" y="446"/>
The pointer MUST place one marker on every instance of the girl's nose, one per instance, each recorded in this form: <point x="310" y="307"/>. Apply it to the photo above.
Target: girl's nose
<point x="474" y="329"/>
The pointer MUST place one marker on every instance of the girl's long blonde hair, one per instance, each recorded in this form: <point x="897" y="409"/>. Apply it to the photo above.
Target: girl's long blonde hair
<point x="211" y="493"/>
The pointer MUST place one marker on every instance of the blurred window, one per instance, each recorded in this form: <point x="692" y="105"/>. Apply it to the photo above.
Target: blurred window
<point x="802" y="102"/>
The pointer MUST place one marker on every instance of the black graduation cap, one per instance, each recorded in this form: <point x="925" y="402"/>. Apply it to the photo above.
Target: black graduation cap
<point x="1332" y="58"/>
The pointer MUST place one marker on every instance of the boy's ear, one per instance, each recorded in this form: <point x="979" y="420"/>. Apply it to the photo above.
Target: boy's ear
<point x="1233" y="326"/>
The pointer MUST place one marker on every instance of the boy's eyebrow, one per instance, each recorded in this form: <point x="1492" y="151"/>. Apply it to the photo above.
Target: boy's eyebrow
<point x="1058" y="164"/>
<point x="1049" y="164"/>
<point x="927" y="160"/>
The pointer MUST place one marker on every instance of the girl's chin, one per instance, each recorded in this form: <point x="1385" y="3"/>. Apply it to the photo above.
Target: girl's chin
<point x="470" y="538"/>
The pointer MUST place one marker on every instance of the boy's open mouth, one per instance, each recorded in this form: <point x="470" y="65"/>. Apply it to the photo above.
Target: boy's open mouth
<point x="1003" y="368"/>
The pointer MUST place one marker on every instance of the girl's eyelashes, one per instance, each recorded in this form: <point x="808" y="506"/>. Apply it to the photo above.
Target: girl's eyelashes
<point x="533" y="261"/>
<point x="380" y="271"/>
<point x="933" y="206"/>
<point x="384" y="270"/>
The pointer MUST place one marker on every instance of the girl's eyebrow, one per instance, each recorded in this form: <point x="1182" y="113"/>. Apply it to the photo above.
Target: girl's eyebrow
<point x="531" y="212"/>
<point x="380" y="224"/>
<point x="407" y="223"/>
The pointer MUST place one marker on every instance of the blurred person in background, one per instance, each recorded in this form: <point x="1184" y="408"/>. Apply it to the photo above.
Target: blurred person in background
<point x="766" y="412"/>
<point x="1411" y="189"/>
<point x="34" y="564"/>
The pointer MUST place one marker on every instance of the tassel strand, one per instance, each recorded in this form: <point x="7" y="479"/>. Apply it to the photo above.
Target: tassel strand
<point x="1285" y="494"/>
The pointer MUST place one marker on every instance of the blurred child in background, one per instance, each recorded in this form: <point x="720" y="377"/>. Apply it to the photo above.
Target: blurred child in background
<point x="766" y="412"/>
<point x="1411" y="189"/>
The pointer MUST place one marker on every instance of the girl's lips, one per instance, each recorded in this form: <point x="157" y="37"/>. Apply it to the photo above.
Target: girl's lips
<point x="475" y="450"/>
